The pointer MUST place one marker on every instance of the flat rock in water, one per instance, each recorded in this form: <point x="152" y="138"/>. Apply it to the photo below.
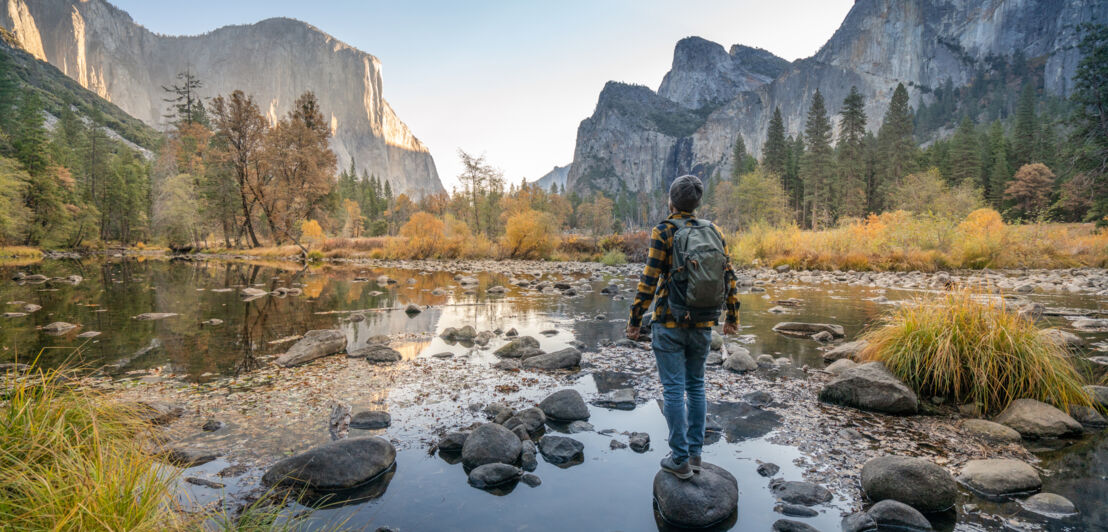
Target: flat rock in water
<point x="531" y="480"/>
<point x="898" y="516"/>
<point x="314" y="344"/>
<point x="871" y="387"/>
<point x="515" y="348"/>
<point x="560" y="450"/>
<point x="335" y="465"/>
<point x="189" y="457"/>
<point x="794" y="510"/>
<point x="916" y="482"/>
<point x="565" y="405"/>
<point x="490" y="443"/>
<point x="251" y="293"/>
<point x="1035" y="419"/>
<point x="493" y="475"/>
<point x="803" y="493"/>
<point x="563" y="359"/>
<point x="806" y="330"/>
<point x="151" y="316"/>
<point x="707" y="498"/>
<point x="1000" y="476"/>
<point x="58" y="328"/>
<point x="621" y="399"/>
<point x="840" y="366"/>
<point x="788" y="525"/>
<point x="1049" y="504"/>
<point x="370" y="420"/>
<point x="768" y="469"/>
<point x="379" y="354"/>
<point x="89" y="334"/>
<point x="989" y="431"/>
<point x="848" y="350"/>
<point x="639" y="441"/>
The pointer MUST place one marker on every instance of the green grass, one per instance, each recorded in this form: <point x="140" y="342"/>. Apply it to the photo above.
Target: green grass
<point x="970" y="348"/>
<point x="71" y="460"/>
<point x="614" y="257"/>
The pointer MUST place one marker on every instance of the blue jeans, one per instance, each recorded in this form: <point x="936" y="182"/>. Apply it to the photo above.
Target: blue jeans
<point x="681" y="355"/>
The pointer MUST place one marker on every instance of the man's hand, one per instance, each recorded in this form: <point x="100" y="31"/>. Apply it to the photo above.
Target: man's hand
<point x="730" y="328"/>
<point x="633" y="332"/>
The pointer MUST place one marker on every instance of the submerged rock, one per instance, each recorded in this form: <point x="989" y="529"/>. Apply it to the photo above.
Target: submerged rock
<point x="806" y="330"/>
<point x="152" y="316"/>
<point x="376" y="353"/>
<point x="803" y="493"/>
<point x="565" y="405"/>
<point x="1035" y="419"/>
<point x="1049" y="504"/>
<point x="997" y="477"/>
<point x="58" y="328"/>
<point x="490" y="443"/>
<point x="871" y="387"/>
<point x="788" y="525"/>
<point x="621" y="399"/>
<point x="188" y="456"/>
<point x="706" y="499"/>
<point x="898" y="516"/>
<point x="563" y="359"/>
<point x="314" y="344"/>
<point x="639" y="441"/>
<point x="453" y="441"/>
<point x="335" y="465"/>
<point x="493" y="475"/>
<point x="370" y="420"/>
<point x="916" y="482"/>
<point x="561" y="450"/>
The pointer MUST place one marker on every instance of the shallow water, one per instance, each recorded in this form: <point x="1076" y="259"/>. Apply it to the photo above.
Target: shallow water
<point x="609" y="491"/>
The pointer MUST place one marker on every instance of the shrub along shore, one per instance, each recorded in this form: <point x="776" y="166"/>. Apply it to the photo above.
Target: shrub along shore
<point x="893" y="241"/>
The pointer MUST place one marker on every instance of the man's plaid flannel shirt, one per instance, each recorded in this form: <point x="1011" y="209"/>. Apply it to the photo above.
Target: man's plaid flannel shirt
<point x="653" y="279"/>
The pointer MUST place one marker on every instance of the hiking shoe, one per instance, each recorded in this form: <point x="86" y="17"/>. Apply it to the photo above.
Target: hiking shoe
<point x="681" y="470"/>
<point x="694" y="463"/>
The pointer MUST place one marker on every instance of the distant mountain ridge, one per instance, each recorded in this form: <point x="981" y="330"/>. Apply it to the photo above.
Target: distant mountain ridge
<point x="274" y="60"/>
<point x="556" y="176"/>
<point x="638" y="140"/>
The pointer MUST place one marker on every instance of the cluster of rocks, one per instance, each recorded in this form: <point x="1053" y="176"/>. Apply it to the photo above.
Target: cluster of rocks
<point x="22" y="278"/>
<point x="505" y="450"/>
<point x="1075" y="281"/>
<point x="523" y="352"/>
<point x="251" y="293"/>
<point x="325" y="342"/>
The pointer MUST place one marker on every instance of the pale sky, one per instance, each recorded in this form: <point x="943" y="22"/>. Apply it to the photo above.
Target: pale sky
<point x="514" y="79"/>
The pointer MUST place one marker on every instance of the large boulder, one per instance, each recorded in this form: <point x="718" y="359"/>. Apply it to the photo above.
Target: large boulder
<point x="1000" y="476"/>
<point x="333" y="466"/>
<point x="706" y="499"/>
<point x="1035" y="419"/>
<point x="371" y="420"/>
<point x="313" y="345"/>
<point x="739" y="359"/>
<point x="1049" y="504"/>
<point x="871" y="387"/>
<point x="895" y="515"/>
<point x="517" y="347"/>
<point x="489" y="444"/>
<point x="376" y="354"/>
<point x="559" y="450"/>
<point x="916" y="482"/>
<point x="848" y="350"/>
<point x="564" y="359"/>
<point x="806" y="330"/>
<point x="493" y="475"/>
<point x="565" y="405"/>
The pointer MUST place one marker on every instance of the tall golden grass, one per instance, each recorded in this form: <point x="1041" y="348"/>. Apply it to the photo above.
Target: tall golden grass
<point x="19" y="255"/>
<point x="901" y="241"/>
<point x="967" y="346"/>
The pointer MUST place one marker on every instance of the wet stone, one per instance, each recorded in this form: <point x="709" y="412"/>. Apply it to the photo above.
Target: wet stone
<point x="531" y="480"/>
<point x="898" y="516"/>
<point x="377" y="354"/>
<point x="565" y="405"/>
<point x="795" y="510"/>
<point x="561" y="450"/>
<point x="1035" y="419"/>
<point x="370" y="420"/>
<point x="788" y="525"/>
<point x="706" y="499"/>
<point x="989" y="431"/>
<point x="616" y="444"/>
<point x="313" y="345"/>
<point x="516" y="348"/>
<point x="768" y="469"/>
<point x="490" y="443"/>
<point x="205" y="483"/>
<point x="211" y="425"/>
<point x="803" y="493"/>
<point x="871" y="387"/>
<point x="336" y="465"/>
<point x="531" y="419"/>
<point x="621" y="399"/>
<point x="1001" y="476"/>
<point x="639" y="442"/>
<point x="1049" y="504"/>
<point x="528" y="456"/>
<point x="452" y="441"/>
<point x="188" y="456"/>
<point x="232" y="471"/>
<point x="858" y="522"/>
<point x="493" y="475"/>
<point x="916" y="482"/>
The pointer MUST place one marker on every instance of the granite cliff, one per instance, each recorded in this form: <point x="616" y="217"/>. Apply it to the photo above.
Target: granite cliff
<point x="639" y="140"/>
<point x="274" y="60"/>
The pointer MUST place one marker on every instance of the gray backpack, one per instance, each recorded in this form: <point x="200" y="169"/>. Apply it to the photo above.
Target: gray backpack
<point x="697" y="284"/>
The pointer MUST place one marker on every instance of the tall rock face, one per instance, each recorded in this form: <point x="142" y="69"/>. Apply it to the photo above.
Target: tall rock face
<point x="880" y="43"/>
<point x="275" y="60"/>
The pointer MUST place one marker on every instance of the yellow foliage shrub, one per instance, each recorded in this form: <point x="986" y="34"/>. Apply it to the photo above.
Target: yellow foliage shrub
<point x="529" y="235"/>
<point x="311" y="234"/>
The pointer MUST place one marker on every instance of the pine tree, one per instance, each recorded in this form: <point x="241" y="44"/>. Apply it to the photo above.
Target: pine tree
<point x="851" y="196"/>
<point x="1024" y="143"/>
<point x="186" y="106"/>
<point x="817" y="167"/>
<point x="897" y="146"/>
<point x="775" y="152"/>
<point x="741" y="162"/>
<point x="1090" y="116"/>
<point x="965" y="155"/>
<point x="793" y="185"/>
<point x="9" y="95"/>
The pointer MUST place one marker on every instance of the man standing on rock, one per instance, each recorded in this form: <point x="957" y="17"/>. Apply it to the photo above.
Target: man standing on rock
<point x="688" y="267"/>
